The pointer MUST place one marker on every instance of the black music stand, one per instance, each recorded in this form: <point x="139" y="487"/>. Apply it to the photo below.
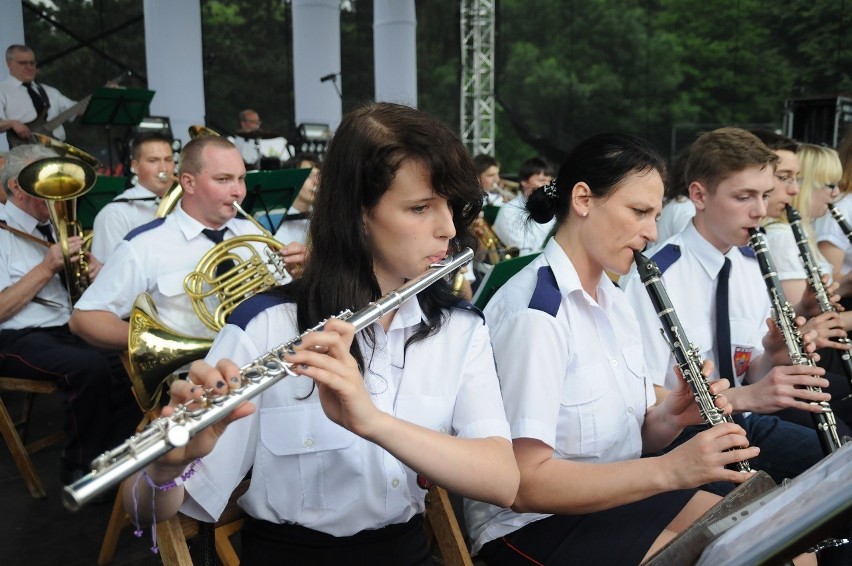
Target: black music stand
<point x="104" y="190"/>
<point x="497" y="276"/>
<point x="117" y="107"/>
<point x="272" y="192"/>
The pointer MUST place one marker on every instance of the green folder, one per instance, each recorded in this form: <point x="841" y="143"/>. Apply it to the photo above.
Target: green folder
<point x="489" y="211"/>
<point x="102" y="192"/>
<point x="497" y="276"/>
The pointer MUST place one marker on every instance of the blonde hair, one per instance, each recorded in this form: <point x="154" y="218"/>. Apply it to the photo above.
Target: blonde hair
<point x="819" y="166"/>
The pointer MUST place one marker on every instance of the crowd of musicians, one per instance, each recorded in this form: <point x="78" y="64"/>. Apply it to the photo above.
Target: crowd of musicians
<point x="557" y="412"/>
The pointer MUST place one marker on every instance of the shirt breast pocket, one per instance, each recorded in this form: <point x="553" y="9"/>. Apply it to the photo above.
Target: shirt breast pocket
<point x="302" y="442"/>
<point x="585" y="426"/>
<point x="430" y="411"/>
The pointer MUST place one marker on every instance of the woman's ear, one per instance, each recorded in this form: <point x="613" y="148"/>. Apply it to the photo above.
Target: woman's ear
<point x="581" y="199"/>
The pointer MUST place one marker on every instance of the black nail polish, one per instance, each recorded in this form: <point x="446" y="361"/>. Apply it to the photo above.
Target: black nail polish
<point x="304" y="366"/>
<point x="220" y="384"/>
<point x="193" y="389"/>
<point x="291" y="351"/>
<point x="235" y="379"/>
<point x="297" y="342"/>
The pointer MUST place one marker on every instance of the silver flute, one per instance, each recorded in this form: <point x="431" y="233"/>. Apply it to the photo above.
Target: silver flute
<point x="176" y="430"/>
<point x="685" y="353"/>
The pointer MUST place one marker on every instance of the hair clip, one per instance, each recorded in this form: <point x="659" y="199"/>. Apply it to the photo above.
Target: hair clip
<point x="550" y="189"/>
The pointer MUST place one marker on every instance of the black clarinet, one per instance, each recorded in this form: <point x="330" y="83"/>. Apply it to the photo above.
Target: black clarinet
<point x="785" y="319"/>
<point x="841" y="221"/>
<point x="815" y="282"/>
<point x="685" y="354"/>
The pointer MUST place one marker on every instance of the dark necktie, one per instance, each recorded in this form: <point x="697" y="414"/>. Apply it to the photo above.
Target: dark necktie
<point x="217" y="236"/>
<point x="36" y="98"/>
<point x="48" y="235"/>
<point x="723" y="325"/>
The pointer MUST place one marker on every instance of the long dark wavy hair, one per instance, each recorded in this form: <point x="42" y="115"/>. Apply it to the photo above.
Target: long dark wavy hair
<point x="363" y="157"/>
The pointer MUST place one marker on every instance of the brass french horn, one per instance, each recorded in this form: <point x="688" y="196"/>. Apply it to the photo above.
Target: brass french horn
<point x="155" y="351"/>
<point x="60" y="181"/>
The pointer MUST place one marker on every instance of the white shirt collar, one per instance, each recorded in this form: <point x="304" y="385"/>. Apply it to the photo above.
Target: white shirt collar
<point x="710" y="258"/>
<point x="192" y="227"/>
<point x="567" y="277"/>
<point x="20" y="219"/>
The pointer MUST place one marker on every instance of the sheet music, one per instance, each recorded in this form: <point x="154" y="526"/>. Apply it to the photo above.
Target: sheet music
<point x="820" y="493"/>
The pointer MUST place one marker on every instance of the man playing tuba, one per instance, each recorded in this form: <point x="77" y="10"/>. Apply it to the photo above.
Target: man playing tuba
<point x="35" y="342"/>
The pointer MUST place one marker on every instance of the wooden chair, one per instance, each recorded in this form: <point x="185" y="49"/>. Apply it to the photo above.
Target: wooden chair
<point x="15" y="433"/>
<point x="172" y="535"/>
<point x="443" y="525"/>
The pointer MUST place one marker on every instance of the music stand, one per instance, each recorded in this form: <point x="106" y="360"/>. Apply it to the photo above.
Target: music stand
<point x="117" y="107"/>
<point x="273" y="191"/>
<point x="497" y="275"/>
<point x="792" y="517"/>
<point x="102" y="192"/>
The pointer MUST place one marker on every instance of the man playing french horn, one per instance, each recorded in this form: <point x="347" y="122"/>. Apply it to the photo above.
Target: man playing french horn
<point x="156" y="258"/>
<point x="35" y="342"/>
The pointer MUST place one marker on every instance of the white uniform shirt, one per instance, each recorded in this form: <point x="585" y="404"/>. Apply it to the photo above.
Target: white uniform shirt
<point x="828" y="230"/>
<point x="17" y="258"/>
<point x="785" y="253"/>
<point x="691" y="285"/>
<point x="253" y="149"/>
<point x="16" y="104"/>
<point x="3" y="212"/>
<point x="132" y="208"/>
<point x="674" y="217"/>
<point x="310" y="471"/>
<point x="293" y="230"/>
<point x="157" y="260"/>
<point x="512" y="228"/>
<point x="571" y="371"/>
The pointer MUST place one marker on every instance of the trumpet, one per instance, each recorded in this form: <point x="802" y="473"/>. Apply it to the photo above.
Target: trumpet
<point x="256" y="377"/>
<point x="172" y="196"/>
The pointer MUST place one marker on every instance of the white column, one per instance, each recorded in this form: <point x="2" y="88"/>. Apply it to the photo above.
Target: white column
<point x="395" y="51"/>
<point x="316" y="54"/>
<point x="175" y="62"/>
<point x="11" y="33"/>
<point x="11" y="30"/>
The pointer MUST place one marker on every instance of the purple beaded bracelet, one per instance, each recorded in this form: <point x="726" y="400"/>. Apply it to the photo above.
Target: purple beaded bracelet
<point x="190" y="471"/>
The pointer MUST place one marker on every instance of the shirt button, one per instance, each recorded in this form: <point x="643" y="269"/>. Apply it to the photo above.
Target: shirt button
<point x="309" y="442"/>
<point x="395" y="484"/>
<point x="614" y="363"/>
<point x="443" y="429"/>
<point x="630" y="410"/>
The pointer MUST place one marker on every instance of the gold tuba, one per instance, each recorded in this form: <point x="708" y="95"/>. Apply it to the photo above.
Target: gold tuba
<point x="155" y="351"/>
<point x="59" y="181"/>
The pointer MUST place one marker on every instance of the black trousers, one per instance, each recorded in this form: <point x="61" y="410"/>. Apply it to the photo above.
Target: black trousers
<point x="100" y="412"/>
<point x="265" y="543"/>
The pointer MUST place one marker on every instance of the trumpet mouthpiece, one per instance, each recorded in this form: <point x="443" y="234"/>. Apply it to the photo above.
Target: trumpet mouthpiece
<point x="163" y="176"/>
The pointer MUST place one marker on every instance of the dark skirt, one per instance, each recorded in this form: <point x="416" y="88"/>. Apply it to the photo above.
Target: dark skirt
<point x="621" y="535"/>
<point x="268" y="543"/>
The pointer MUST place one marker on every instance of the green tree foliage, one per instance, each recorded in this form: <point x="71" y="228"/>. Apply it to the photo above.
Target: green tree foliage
<point x="564" y="69"/>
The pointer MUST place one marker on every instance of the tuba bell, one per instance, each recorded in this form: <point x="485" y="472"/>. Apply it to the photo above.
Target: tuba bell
<point x="60" y="181"/>
<point x="155" y="351"/>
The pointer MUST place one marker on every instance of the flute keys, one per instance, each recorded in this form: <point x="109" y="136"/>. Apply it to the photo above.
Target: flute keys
<point x="177" y="436"/>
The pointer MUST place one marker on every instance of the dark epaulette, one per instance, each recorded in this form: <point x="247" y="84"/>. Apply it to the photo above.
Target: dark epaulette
<point x="666" y="257"/>
<point x="468" y="306"/>
<point x="253" y="306"/>
<point x="747" y="251"/>
<point x="144" y="228"/>
<point x="546" y="297"/>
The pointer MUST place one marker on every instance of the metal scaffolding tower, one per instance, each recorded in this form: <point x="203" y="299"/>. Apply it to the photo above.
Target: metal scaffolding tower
<point x="477" y="81"/>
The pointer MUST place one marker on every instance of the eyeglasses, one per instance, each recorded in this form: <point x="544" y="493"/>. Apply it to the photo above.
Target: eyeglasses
<point x="789" y="180"/>
<point x="28" y="63"/>
<point x="831" y="186"/>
